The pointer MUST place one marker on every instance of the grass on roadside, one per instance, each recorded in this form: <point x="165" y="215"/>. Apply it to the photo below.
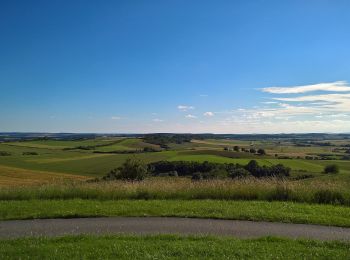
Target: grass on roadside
<point x="240" y="210"/>
<point x="170" y="247"/>
<point x="313" y="191"/>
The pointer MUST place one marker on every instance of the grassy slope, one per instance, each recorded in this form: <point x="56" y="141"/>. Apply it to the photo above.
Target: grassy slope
<point x="73" y="162"/>
<point x="242" y="210"/>
<point x="127" y="145"/>
<point x="170" y="247"/>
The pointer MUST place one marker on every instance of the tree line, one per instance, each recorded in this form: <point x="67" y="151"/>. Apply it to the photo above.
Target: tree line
<point x="136" y="170"/>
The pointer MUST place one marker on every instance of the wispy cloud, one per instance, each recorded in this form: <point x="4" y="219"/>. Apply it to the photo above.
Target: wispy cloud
<point x="157" y="120"/>
<point x="301" y="112"/>
<point x="116" y="117"/>
<point x="190" y="116"/>
<point x="209" y="114"/>
<point x="184" y="107"/>
<point x="337" y="86"/>
<point x="327" y="102"/>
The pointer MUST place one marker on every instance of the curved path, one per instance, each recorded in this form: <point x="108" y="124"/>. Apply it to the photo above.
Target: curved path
<point x="167" y="225"/>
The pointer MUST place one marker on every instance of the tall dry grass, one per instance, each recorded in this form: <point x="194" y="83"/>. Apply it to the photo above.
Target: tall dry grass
<point x="181" y="188"/>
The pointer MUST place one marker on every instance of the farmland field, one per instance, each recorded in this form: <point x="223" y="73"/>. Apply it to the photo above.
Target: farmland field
<point x="64" y="156"/>
<point x="49" y="178"/>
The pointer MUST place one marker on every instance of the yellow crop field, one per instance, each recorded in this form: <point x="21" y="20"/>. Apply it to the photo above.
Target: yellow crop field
<point x="11" y="176"/>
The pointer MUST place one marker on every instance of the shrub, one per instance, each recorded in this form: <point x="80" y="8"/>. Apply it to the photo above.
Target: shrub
<point x="332" y="168"/>
<point x="329" y="197"/>
<point x="3" y="153"/>
<point x="261" y="151"/>
<point x="256" y="170"/>
<point x="252" y="150"/>
<point x="197" y="176"/>
<point x="216" y="173"/>
<point x="239" y="173"/>
<point x="149" y="150"/>
<point x="29" y="153"/>
<point x="168" y="174"/>
<point x="252" y="166"/>
<point x="132" y="169"/>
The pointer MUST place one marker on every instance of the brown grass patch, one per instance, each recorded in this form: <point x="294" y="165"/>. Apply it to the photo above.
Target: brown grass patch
<point x="11" y="176"/>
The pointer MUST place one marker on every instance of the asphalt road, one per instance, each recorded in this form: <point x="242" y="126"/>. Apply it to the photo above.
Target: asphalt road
<point x="167" y="225"/>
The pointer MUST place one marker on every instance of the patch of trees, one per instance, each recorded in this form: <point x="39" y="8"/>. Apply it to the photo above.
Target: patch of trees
<point x="332" y="168"/>
<point x="144" y="150"/>
<point x="278" y="170"/>
<point x="251" y="150"/>
<point x="209" y="170"/>
<point x="261" y="151"/>
<point x="131" y="170"/>
<point x="136" y="170"/>
<point x="235" y="148"/>
<point x="3" y="153"/>
<point x="345" y="157"/>
<point x="92" y="147"/>
<point x="29" y="153"/>
<point x="164" y="139"/>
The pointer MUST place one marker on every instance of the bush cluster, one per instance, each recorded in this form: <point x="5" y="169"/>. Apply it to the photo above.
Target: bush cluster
<point x="29" y="153"/>
<point x="209" y="170"/>
<point x="3" y="153"/>
<point x="131" y="169"/>
<point x="333" y="168"/>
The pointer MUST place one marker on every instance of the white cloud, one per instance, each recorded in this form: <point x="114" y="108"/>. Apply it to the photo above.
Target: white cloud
<point x="116" y="117"/>
<point x="269" y="102"/>
<point x="328" y="102"/>
<point x="184" y="107"/>
<point x="208" y="114"/>
<point x="337" y="86"/>
<point x="190" y="116"/>
<point x="157" y="120"/>
<point x="203" y="95"/>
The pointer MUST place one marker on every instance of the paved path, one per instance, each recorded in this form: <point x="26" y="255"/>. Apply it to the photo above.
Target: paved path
<point x="166" y="225"/>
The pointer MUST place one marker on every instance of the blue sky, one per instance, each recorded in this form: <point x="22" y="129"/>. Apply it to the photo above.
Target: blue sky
<point x="175" y="66"/>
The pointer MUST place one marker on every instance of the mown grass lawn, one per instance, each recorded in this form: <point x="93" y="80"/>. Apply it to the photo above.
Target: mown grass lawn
<point x="240" y="210"/>
<point x="170" y="247"/>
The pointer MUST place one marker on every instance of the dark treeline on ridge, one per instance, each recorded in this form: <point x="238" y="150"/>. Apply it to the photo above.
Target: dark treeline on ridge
<point x="210" y="169"/>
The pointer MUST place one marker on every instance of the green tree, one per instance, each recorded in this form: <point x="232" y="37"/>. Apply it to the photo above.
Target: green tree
<point x="239" y="173"/>
<point x="261" y="151"/>
<point x="132" y="170"/>
<point x="332" y="168"/>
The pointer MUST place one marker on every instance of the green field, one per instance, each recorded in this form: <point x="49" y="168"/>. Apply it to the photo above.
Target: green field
<point x="54" y="157"/>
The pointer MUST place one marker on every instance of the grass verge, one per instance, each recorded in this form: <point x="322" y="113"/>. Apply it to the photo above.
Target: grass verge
<point x="170" y="247"/>
<point x="313" y="191"/>
<point x="241" y="210"/>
